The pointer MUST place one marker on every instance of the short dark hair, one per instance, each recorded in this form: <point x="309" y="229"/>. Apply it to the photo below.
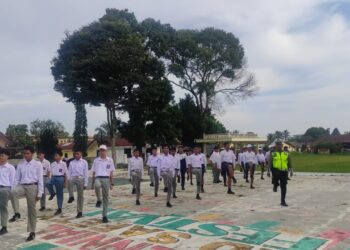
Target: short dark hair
<point x="216" y="147"/>
<point x="136" y="150"/>
<point x="4" y="151"/>
<point x="153" y="148"/>
<point x="165" y="146"/>
<point x="40" y="151"/>
<point x="29" y="148"/>
<point x="59" y="152"/>
<point x="226" y="143"/>
<point x="173" y="148"/>
<point x="77" y="150"/>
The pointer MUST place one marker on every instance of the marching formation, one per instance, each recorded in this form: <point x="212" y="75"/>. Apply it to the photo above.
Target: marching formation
<point x="174" y="165"/>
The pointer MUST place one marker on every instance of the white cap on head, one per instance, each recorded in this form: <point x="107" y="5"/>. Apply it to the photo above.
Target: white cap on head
<point x="102" y="147"/>
<point x="249" y="146"/>
<point x="260" y="148"/>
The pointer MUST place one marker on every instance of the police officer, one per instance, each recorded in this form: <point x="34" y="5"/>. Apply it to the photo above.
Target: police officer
<point x="7" y="181"/>
<point x="102" y="178"/>
<point x="29" y="182"/>
<point x="59" y="177"/>
<point x="152" y="163"/>
<point x="135" y="173"/>
<point x="280" y="163"/>
<point x="46" y="170"/>
<point x="166" y="170"/>
<point x="78" y="177"/>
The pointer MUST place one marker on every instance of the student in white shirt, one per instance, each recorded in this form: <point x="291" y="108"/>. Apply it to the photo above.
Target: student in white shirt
<point x="261" y="161"/>
<point x="177" y="170"/>
<point x="216" y="164"/>
<point x="189" y="174"/>
<point x="59" y="177"/>
<point x="228" y="160"/>
<point x="46" y="170"/>
<point x="78" y="177"/>
<point x="7" y="181"/>
<point x="196" y="161"/>
<point x="152" y="163"/>
<point x="135" y="173"/>
<point x="250" y="164"/>
<point x="29" y="182"/>
<point x="102" y="178"/>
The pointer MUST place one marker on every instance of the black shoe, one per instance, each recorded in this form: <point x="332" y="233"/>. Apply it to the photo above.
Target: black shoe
<point x="58" y="211"/>
<point x="202" y="190"/>
<point x="234" y="180"/>
<point x="155" y="195"/>
<point x="262" y="178"/>
<point x="42" y="209"/>
<point x="252" y="187"/>
<point x="51" y="197"/>
<point x="289" y="179"/>
<point x="98" y="204"/>
<point x="31" y="237"/>
<point x="104" y="220"/>
<point x="151" y="185"/>
<point x="191" y="183"/>
<point x="274" y="188"/>
<point x="15" y="217"/>
<point x="138" y="202"/>
<point x="79" y="215"/>
<point x="198" y="197"/>
<point x="230" y="191"/>
<point x="225" y="185"/>
<point x="133" y="191"/>
<point x="284" y="204"/>
<point x="219" y="181"/>
<point x="71" y="199"/>
<point x="168" y="204"/>
<point x="3" y="231"/>
<point x="182" y="188"/>
<point x="246" y="180"/>
<point x="165" y="190"/>
<point x="174" y="196"/>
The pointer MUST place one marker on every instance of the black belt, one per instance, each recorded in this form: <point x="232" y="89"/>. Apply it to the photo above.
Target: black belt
<point x="29" y="184"/>
<point x="102" y="177"/>
<point x="44" y="175"/>
<point x="58" y="176"/>
<point x="4" y="186"/>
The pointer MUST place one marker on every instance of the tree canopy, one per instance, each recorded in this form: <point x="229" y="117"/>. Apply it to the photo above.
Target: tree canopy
<point x="37" y="127"/>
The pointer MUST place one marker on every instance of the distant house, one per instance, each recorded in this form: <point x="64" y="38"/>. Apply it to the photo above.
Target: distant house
<point x="5" y="142"/>
<point x="342" y="140"/>
<point x="123" y="149"/>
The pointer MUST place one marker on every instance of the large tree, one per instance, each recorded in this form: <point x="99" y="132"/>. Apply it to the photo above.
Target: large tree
<point x="107" y="63"/>
<point x="80" y="130"/>
<point x="38" y="126"/>
<point x="47" y="142"/>
<point x="314" y="133"/>
<point x="19" y="135"/>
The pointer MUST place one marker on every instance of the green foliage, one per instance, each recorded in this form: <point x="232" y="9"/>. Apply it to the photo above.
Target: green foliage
<point x="102" y="134"/>
<point x="37" y="127"/>
<point x="47" y="142"/>
<point x="278" y="135"/>
<point x="19" y="136"/>
<point x="314" y="133"/>
<point x="80" y="131"/>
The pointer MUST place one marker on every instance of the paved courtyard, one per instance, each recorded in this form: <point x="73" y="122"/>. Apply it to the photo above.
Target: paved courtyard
<point x="318" y="218"/>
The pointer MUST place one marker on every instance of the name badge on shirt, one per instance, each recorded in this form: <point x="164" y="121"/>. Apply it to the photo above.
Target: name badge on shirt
<point x="108" y="166"/>
<point x="44" y="168"/>
<point x="60" y="170"/>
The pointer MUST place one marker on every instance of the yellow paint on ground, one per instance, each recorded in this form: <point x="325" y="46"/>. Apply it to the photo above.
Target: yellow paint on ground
<point x="207" y="217"/>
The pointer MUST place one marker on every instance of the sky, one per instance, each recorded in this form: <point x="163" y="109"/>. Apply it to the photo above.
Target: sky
<point x="298" y="51"/>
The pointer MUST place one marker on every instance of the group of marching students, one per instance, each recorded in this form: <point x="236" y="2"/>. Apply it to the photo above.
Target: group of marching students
<point x="173" y="165"/>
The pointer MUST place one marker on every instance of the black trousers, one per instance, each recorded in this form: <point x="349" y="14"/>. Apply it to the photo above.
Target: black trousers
<point x="280" y="178"/>
<point x="183" y="171"/>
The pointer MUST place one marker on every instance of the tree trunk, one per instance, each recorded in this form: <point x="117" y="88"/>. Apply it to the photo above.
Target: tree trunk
<point x="111" y="120"/>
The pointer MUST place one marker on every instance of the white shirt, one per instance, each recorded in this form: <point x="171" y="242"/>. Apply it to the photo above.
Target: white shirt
<point x="267" y="156"/>
<point x="188" y="161"/>
<point x="240" y="157"/>
<point x="166" y="162"/>
<point x="46" y="167"/>
<point x="58" y="168"/>
<point x="7" y="175"/>
<point x="79" y="168"/>
<point x="176" y="162"/>
<point x="152" y="161"/>
<point x="260" y="157"/>
<point x="250" y="157"/>
<point x="181" y="156"/>
<point x="103" y="167"/>
<point x="135" y="164"/>
<point x="196" y="160"/>
<point x="215" y="159"/>
<point x="228" y="156"/>
<point x="30" y="172"/>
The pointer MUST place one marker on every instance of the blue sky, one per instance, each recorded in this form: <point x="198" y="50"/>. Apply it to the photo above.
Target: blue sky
<point x="297" y="49"/>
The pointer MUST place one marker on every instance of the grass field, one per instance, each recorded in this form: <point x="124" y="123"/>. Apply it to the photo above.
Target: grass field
<point x="337" y="163"/>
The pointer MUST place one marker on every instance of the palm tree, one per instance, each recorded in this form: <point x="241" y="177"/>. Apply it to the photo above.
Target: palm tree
<point x="286" y="135"/>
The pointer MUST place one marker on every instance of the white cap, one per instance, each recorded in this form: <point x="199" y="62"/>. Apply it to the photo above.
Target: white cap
<point x="249" y="146"/>
<point x="260" y="148"/>
<point x="103" y="147"/>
